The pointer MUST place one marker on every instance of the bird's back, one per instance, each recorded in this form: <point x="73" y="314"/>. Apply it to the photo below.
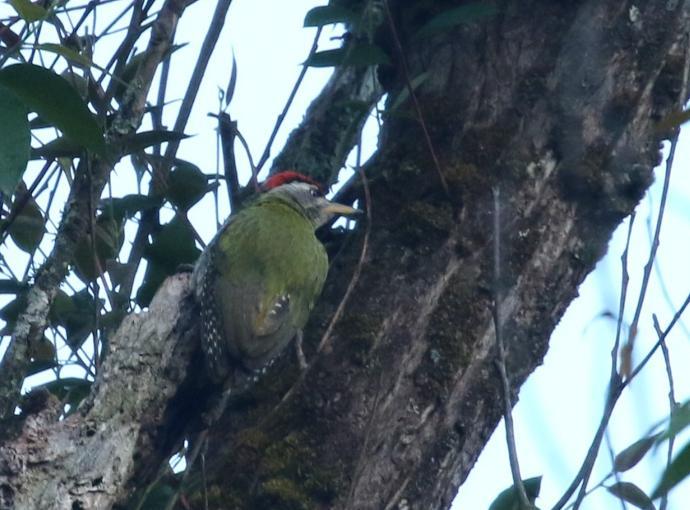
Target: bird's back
<point x="261" y="280"/>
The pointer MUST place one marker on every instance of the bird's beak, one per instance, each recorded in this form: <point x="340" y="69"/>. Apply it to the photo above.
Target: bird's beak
<point x="335" y="208"/>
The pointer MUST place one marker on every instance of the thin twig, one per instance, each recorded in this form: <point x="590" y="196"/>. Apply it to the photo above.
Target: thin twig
<point x="671" y="401"/>
<point x="612" y="456"/>
<point x="614" y="382"/>
<point x="267" y="150"/>
<point x="227" y="130"/>
<point x="207" y="47"/>
<point x="501" y="361"/>
<point x="657" y="231"/>
<point x="413" y="96"/>
<point x="325" y="339"/>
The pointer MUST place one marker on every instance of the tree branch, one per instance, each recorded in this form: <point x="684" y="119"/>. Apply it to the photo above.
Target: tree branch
<point x="32" y="322"/>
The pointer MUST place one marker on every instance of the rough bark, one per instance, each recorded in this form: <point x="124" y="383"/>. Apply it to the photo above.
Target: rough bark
<point x="114" y="443"/>
<point x="556" y="103"/>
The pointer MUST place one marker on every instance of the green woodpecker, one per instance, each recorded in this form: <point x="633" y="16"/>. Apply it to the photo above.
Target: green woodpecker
<point x="258" y="279"/>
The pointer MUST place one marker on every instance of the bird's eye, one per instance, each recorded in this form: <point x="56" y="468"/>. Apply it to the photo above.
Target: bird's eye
<point x="314" y="192"/>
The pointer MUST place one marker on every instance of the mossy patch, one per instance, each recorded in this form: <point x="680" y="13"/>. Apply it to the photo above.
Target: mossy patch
<point x="422" y="225"/>
<point x="449" y="348"/>
<point x="360" y="330"/>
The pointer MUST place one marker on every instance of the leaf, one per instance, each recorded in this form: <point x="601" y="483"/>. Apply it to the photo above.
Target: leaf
<point x="28" y="227"/>
<point x="59" y="148"/>
<point x="451" y="18"/>
<point x="11" y="286"/>
<point x="42" y="351"/>
<point x="174" y="245"/>
<point x="107" y="241"/>
<point x="39" y="366"/>
<point x="153" y="278"/>
<point x="68" y="54"/>
<point x="158" y="496"/>
<point x="54" y="99"/>
<point x="680" y="419"/>
<point x="28" y="11"/>
<point x="15" y="140"/>
<point x="676" y="472"/>
<point x="672" y="121"/>
<point x="9" y="37"/>
<point x="632" y="494"/>
<point x="359" y="54"/>
<point x="126" y="76"/>
<point x="70" y="390"/>
<point x="405" y="92"/>
<point x="60" y="309"/>
<point x="633" y="454"/>
<point x="327" y="15"/>
<point x="78" y="318"/>
<point x="187" y="184"/>
<point x="10" y="312"/>
<point x="509" y="500"/>
<point x="139" y="141"/>
<point x="128" y="206"/>
<point x="230" y="89"/>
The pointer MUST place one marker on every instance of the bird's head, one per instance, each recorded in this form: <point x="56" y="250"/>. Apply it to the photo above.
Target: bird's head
<point x="307" y="195"/>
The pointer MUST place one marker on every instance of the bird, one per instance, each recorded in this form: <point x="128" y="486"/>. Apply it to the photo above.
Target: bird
<point x="260" y="276"/>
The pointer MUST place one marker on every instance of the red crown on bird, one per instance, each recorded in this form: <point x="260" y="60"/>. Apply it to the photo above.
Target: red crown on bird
<point x="286" y="177"/>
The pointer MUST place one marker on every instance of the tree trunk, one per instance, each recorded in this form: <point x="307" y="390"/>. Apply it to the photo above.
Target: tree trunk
<point x="554" y="104"/>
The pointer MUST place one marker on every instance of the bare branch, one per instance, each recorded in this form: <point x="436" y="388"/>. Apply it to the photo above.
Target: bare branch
<point x="501" y="361"/>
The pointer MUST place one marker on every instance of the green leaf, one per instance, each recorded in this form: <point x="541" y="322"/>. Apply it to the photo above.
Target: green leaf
<point x="159" y="496"/>
<point x="680" y="420"/>
<point x="359" y="54"/>
<point x="28" y="11"/>
<point x="187" y="184"/>
<point x="60" y="309"/>
<point x="11" y="311"/>
<point x="405" y="92"/>
<point x="68" y="54"/>
<point x="139" y="141"/>
<point x="39" y="366"/>
<point x="54" y="99"/>
<point x="327" y="15"/>
<point x="15" y="140"/>
<point x="230" y="89"/>
<point x="28" y="227"/>
<point x="673" y="120"/>
<point x="676" y="472"/>
<point x="70" y="390"/>
<point x="128" y="206"/>
<point x="107" y="241"/>
<point x="153" y="278"/>
<point x="78" y="317"/>
<point x="633" y="454"/>
<point x="509" y="500"/>
<point x="172" y="246"/>
<point x="453" y="17"/>
<point x="11" y="286"/>
<point x="632" y="494"/>
<point x="59" y="148"/>
<point x="42" y="351"/>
